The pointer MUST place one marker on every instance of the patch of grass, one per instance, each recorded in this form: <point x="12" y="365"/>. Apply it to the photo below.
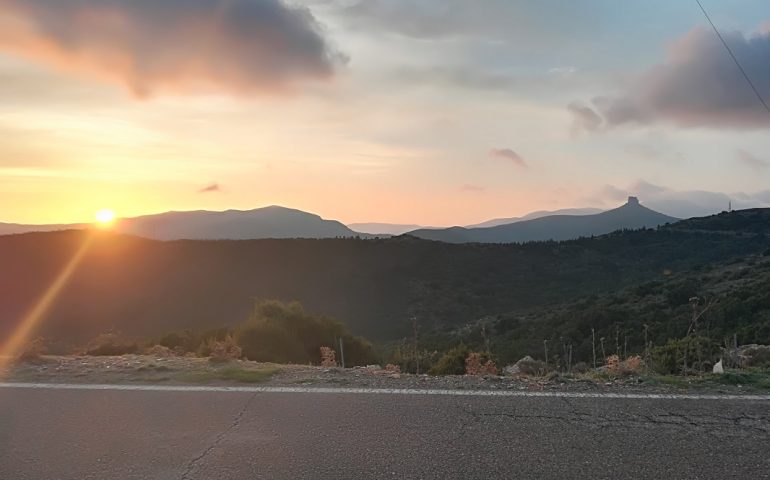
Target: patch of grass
<point x="232" y="374"/>
<point x="757" y="380"/>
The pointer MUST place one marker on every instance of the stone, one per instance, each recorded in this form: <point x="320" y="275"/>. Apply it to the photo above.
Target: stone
<point x="718" y="368"/>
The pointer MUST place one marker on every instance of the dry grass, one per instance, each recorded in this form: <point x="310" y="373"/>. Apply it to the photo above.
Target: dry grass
<point x="475" y="366"/>
<point x="225" y="350"/>
<point x="328" y="357"/>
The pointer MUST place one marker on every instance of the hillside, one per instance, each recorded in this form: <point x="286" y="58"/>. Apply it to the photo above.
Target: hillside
<point x="145" y="287"/>
<point x="632" y="215"/>
<point x="533" y="215"/>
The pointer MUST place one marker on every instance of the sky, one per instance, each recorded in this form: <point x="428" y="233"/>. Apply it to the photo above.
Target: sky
<point x="431" y="112"/>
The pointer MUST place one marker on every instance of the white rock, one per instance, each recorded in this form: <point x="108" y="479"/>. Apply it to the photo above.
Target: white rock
<point x="718" y="368"/>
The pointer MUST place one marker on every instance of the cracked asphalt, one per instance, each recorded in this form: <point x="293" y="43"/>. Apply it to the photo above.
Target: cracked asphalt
<point x="67" y="434"/>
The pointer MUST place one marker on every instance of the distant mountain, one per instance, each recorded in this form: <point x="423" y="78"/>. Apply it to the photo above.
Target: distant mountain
<point x="267" y="222"/>
<point x="13" y="228"/>
<point x="632" y="215"/>
<point x="538" y="214"/>
<point x="383" y="228"/>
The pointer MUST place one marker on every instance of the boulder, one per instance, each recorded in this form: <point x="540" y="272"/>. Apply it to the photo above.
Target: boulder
<point x="718" y="367"/>
<point x="525" y="366"/>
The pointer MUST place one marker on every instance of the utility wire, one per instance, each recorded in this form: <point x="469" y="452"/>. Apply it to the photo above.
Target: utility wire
<point x="735" y="59"/>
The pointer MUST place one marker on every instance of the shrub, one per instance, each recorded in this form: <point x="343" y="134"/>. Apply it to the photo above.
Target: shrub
<point x="328" y="357"/>
<point x="477" y="365"/>
<point x="452" y="362"/>
<point x="580" y="367"/>
<point x="225" y="350"/>
<point x="110" y="344"/>
<point x="669" y="358"/>
<point x="392" y="368"/>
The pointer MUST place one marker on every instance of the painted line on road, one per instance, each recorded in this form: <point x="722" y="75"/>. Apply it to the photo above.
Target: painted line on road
<point x="376" y="391"/>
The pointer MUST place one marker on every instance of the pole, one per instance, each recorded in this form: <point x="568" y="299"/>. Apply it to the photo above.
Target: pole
<point x="342" y="353"/>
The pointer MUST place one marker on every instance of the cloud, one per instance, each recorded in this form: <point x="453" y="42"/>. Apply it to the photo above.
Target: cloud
<point x="698" y="85"/>
<point x="233" y="46"/>
<point x="752" y="161"/>
<point x="214" y="187"/>
<point x="679" y="203"/>
<point x="472" y="188"/>
<point x="519" y="23"/>
<point x="510" y="155"/>
<point x="584" y="118"/>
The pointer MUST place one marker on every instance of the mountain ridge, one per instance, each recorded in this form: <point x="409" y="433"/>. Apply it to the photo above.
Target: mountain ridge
<point x="631" y="215"/>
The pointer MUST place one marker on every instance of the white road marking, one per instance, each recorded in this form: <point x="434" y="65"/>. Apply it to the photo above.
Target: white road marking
<point x="377" y="391"/>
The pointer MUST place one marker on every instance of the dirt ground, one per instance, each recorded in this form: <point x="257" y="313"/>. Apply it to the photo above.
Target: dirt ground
<point x="143" y="369"/>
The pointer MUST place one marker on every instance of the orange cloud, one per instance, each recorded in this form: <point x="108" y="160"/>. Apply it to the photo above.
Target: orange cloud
<point x="235" y="46"/>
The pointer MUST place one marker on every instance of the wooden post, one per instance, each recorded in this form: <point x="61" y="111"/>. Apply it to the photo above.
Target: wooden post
<point x="593" y="346"/>
<point x="342" y="353"/>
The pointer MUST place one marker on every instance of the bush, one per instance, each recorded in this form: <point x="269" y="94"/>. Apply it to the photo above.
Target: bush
<point x="580" y="367"/>
<point x="328" y="357"/>
<point x="452" y="362"/>
<point x="225" y="350"/>
<point x="110" y="344"/>
<point x="669" y="358"/>
<point x="478" y="364"/>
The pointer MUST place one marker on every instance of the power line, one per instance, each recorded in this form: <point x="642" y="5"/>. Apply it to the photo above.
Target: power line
<point x="735" y="59"/>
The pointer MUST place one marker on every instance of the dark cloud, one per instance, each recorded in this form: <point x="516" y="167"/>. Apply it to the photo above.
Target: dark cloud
<point x="584" y="118"/>
<point x="752" y="160"/>
<point x="515" y="21"/>
<point x="510" y="155"/>
<point x="236" y="46"/>
<point x="698" y="85"/>
<point x="214" y="187"/>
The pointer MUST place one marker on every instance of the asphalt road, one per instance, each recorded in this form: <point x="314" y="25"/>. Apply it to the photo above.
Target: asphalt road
<point x="77" y="434"/>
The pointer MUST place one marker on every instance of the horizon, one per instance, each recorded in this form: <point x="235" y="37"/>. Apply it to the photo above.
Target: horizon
<point x="373" y="112"/>
<point x="108" y="217"/>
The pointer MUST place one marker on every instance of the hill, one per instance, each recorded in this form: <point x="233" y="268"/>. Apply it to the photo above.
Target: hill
<point x="632" y="215"/>
<point x="538" y="214"/>
<point x="145" y="287"/>
<point x="267" y="222"/>
<point x="383" y="228"/>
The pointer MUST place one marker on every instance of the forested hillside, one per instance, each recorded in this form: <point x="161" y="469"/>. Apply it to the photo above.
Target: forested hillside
<point x="143" y="287"/>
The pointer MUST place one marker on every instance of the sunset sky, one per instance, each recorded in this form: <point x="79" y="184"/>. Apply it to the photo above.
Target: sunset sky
<point x="436" y="112"/>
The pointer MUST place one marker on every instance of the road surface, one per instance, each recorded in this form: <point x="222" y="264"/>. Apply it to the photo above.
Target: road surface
<point x="64" y="434"/>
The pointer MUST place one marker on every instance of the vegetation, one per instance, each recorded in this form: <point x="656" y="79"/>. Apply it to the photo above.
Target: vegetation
<point x="144" y="288"/>
<point x="233" y="373"/>
<point x="276" y="332"/>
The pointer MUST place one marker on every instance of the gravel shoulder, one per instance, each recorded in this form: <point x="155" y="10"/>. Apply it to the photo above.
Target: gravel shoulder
<point x="144" y="369"/>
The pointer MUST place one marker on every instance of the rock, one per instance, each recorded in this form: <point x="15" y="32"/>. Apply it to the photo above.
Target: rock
<point x="525" y="366"/>
<point x="754" y="355"/>
<point x="718" y="367"/>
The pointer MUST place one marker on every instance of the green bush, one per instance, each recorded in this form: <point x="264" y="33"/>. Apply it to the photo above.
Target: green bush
<point x="669" y="358"/>
<point x="452" y="362"/>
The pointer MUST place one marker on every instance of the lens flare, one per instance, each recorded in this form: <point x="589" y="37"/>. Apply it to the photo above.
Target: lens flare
<point x="18" y="338"/>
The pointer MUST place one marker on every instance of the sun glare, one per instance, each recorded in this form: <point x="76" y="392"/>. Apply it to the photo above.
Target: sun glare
<point x="105" y="217"/>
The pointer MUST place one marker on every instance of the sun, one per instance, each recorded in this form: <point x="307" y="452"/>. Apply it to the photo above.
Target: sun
<point x="105" y="217"/>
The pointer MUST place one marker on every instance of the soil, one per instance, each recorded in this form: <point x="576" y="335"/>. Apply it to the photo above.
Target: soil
<point x="144" y="369"/>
